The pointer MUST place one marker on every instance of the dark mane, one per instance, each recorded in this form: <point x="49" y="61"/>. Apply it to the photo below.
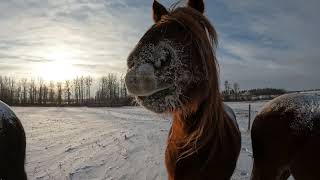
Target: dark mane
<point x="204" y="38"/>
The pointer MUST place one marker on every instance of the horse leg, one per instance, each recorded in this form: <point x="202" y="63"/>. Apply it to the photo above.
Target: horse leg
<point x="17" y="174"/>
<point x="306" y="164"/>
<point x="269" y="171"/>
<point x="268" y="164"/>
<point x="285" y="174"/>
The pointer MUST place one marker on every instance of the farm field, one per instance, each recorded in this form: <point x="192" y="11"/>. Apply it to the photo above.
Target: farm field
<point x="108" y="143"/>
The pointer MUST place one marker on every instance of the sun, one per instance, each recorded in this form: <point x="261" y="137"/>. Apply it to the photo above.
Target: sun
<point x="59" y="68"/>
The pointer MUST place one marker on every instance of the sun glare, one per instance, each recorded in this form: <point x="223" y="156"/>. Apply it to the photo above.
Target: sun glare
<point x="59" y="69"/>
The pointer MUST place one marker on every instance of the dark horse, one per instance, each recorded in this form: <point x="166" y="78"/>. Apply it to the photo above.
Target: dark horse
<point x="12" y="145"/>
<point x="173" y="69"/>
<point x="286" y="139"/>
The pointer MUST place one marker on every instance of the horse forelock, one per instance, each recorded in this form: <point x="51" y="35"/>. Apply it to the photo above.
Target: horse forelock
<point x="204" y="38"/>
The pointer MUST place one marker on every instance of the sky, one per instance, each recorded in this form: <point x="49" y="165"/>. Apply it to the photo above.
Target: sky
<point x="261" y="43"/>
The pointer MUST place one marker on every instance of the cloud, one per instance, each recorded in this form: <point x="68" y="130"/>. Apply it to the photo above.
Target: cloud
<point x="90" y="30"/>
<point x="268" y="43"/>
<point x="98" y="70"/>
<point x="262" y="43"/>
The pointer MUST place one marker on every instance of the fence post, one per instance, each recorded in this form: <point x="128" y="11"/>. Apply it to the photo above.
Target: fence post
<point x="249" y="124"/>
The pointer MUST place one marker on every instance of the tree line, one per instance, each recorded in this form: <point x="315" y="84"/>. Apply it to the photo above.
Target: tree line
<point x="108" y="90"/>
<point x="232" y="92"/>
<point x="81" y="91"/>
<point x="266" y="91"/>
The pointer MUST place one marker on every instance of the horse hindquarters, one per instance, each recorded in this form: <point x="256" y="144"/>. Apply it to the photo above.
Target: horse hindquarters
<point x="270" y="145"/>
<point x="305" y="165"/>
<point x="19" y="155"/>
<point x="13" y="150"/>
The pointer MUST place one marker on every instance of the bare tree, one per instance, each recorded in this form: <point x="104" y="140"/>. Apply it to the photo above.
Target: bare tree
<point x="59" y="93"/>
<point x="24" y="84"/>
<point x="82" y="89"/>
<point x="227" y="90"/>
<point x="110" y="91"/>
<point x="76" y="91"/>
<point x="51" y="92"/>
<point x="67" y="92"/>
<point x="88" y="82"/>
<point x="32" y="91"/>
<point x="236" y="89"/>
<point x="45" y="93"/>
<point x="40" y="96"/>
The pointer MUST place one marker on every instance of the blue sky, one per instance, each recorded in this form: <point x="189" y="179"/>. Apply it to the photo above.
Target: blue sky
<point x="262" y="43"/>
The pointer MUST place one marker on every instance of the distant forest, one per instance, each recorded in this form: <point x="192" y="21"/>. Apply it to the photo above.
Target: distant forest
<point x="108" y="91"/>
<point x="232" y="92"/>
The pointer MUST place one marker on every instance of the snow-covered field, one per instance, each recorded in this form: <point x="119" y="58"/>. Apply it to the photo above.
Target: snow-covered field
<point x="107" y="143"/>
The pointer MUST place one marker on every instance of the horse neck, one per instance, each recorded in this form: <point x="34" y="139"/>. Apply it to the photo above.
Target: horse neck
<point x="182" y="126"/>
<point x="179" y="129"/>
<point x="185" y="125"/>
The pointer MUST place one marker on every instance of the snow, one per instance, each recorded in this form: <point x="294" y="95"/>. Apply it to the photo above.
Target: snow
<point x="108" y="143"/>
<point x="94" y="143"/>
<point x="316" y="92"/>
<point x="241" y="109"/>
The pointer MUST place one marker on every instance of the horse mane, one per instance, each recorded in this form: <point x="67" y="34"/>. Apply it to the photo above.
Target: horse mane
<point x="210" y="120"/>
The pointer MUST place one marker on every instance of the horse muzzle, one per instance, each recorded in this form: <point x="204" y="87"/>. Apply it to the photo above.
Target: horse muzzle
<point x="141" y="80"/>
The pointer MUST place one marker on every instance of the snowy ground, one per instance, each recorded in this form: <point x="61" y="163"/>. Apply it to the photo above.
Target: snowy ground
<point x="107" y="143"/>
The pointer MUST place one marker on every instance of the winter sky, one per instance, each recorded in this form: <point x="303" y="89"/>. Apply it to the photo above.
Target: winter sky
<point x="262" y="43"/>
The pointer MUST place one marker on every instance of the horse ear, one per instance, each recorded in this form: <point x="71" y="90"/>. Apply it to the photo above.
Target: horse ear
<point x="158" y="11"/>
<point x="197" y="4"/>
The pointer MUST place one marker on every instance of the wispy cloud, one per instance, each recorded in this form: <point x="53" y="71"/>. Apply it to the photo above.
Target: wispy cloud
<point x="268" y="43"/>
<point x="98" y="31"/>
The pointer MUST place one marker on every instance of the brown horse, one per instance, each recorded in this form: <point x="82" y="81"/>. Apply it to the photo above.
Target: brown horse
<point x="173" y="69"/>
<point x="286" y="139"/>
<point x="12" y="145"/>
